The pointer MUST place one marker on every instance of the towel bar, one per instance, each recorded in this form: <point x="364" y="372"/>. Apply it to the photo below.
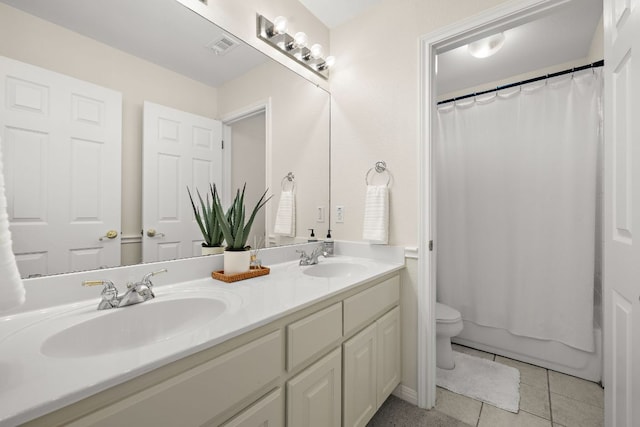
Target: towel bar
<point x="289" y="178"/>
<point x="380" y="167"/>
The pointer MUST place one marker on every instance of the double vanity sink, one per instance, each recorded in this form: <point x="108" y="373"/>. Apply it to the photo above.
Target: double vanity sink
<point x="86" y="332"/>
<point x="58" y="355"/>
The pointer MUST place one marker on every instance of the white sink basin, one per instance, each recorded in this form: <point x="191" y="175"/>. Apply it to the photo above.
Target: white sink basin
<point x="335" y="269"/>
<point x="133" y="326"/>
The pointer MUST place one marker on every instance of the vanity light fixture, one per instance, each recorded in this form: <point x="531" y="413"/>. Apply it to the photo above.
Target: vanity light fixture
<point x="296" y="46"/>
<point x="487" y="46"/>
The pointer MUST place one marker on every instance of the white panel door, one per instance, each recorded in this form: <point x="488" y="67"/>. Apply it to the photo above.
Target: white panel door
<point x="622" y="213"/>
<point x="62" y="142"/>
<point x="180" y="149"/>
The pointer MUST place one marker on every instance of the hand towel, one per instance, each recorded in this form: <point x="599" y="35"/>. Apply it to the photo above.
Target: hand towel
<point x="11" y="289"/>
<point x="286" y="215"/>
<point x="376" y="215"/>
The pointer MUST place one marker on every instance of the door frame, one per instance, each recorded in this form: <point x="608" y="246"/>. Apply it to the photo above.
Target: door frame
<point x="514" y="12"/>
<point x="261" y="106"/>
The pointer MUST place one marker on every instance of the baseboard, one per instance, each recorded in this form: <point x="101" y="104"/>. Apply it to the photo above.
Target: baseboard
<point x="407" y="394"/>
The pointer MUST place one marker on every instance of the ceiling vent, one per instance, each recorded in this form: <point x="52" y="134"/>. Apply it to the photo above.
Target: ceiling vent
<point x="223" y="44"/>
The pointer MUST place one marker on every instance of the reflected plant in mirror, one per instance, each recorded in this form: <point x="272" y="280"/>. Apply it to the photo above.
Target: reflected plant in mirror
<point x="206" y="217"/>
<point x="240" y="96"/>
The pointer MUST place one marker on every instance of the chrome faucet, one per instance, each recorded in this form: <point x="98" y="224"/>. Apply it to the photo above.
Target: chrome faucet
<point x="312" y="259"/>
<point x="136" y="292"/>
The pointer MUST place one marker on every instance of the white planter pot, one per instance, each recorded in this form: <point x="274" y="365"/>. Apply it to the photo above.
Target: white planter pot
<point x="236" y="261"/>
<point x="212" y="250"/>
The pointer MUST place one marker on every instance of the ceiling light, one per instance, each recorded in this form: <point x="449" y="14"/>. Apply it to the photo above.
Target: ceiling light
<point x="486" y="47"/>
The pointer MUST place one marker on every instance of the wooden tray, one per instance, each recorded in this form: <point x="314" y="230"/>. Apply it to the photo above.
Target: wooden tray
<point x="254" y="272"/>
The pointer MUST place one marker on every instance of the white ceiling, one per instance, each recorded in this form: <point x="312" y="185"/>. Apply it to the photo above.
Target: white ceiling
<point x="564" y="36"/>
<point x="335" y="12"/>
<point x="157" y="31"/>
<point x="161" y="31"/>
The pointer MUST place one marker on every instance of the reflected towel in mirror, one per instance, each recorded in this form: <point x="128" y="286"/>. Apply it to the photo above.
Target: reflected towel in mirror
<point x="376" y="215"/>
<point x="11" y="289"/>
<point x="286" y="215"/>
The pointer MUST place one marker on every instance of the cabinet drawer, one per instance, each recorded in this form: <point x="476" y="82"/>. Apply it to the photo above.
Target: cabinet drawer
<point x="365" y="307"/>
<point x="309" y="336"/>
<point x="268" y="411"/>
<point x="199" y="394"/>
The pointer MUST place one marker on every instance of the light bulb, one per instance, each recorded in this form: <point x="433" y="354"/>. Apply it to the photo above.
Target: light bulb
<point x="330" y="61"/>
<point x="316" y="51"/>
<point x="280" y="25"/>
<point x="486" y="47"/>
<point x="300" y="40"/>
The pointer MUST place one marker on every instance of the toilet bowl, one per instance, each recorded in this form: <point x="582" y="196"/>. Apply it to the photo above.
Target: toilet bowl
<point x="448" y="324"/>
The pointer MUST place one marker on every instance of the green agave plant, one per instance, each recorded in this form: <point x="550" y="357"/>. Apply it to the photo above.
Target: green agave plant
<point x="233" y="226"/>
<point x="207" y="219"/>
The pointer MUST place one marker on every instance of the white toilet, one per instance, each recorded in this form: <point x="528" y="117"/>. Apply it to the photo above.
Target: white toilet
<point x="448" y="324"/>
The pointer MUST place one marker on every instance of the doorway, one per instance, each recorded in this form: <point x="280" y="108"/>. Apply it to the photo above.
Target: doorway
<point x="494" y="21"/>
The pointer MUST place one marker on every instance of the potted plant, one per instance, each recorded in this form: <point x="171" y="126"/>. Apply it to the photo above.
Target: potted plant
<point x="236" y="231"/>
<point x="207" y="220"/>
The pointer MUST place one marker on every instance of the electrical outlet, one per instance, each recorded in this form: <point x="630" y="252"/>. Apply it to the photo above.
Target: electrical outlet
<point x="320" y="214"/>
<point x="339" y="213"/>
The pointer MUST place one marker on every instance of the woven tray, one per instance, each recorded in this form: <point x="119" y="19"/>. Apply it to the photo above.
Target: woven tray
<point x="254" y="272"/>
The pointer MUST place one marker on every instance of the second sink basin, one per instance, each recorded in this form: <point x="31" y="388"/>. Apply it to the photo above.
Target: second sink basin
<point x="335" y="269"/>
<point x="133" y="326"/>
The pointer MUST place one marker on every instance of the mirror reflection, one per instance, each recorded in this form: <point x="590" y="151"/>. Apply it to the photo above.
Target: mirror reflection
<point x="109" y="115"/>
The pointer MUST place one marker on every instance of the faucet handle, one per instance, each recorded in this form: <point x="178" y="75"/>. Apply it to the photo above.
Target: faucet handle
<point x="108" y="285"/>
<point x="109" y="293"/>
<point x="302" y="253"/>
<point x="146" y="279"/>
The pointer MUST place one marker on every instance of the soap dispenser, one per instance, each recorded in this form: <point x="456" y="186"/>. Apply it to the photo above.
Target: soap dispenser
<point x="328" y="244"/>
<point x="313" y="237"/>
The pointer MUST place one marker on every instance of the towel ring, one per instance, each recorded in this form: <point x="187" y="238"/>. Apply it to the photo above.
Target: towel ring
<point x="380" y="167"/>
<point x="289" y="178"/>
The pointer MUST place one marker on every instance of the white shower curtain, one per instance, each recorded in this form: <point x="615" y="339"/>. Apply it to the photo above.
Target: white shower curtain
<point x="516" y="207"/>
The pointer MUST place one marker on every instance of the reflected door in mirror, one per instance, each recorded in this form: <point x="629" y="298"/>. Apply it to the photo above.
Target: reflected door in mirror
<point x="62" y="142"/>
<point x="180" y="149"/>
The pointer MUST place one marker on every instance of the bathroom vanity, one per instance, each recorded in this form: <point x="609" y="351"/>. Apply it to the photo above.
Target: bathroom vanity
<point x="301" y="346"/>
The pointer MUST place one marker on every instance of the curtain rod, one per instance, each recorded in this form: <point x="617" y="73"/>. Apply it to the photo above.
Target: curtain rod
<point x="535" y="79"/>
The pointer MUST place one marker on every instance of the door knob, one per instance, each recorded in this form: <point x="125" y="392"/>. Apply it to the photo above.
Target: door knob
<point x="153" y="233"/>
<point x="111" y="234"/>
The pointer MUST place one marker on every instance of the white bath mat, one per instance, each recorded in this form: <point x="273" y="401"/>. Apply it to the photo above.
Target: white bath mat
<point x="484" y="380"/>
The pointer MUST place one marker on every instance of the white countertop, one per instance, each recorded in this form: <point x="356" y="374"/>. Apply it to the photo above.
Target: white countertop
<point x="33" y="384"/>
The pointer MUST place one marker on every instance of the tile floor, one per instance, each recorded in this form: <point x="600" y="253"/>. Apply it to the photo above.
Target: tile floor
<point x="547" y="398"/>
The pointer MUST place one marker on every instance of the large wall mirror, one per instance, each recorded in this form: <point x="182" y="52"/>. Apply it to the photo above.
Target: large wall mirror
<point x="134" y="72"/>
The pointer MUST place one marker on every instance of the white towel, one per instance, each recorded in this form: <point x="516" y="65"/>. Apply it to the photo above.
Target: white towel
<point x="11" y="290"/>
<point x="286" y="215"/>
<point x="376" y="215"/>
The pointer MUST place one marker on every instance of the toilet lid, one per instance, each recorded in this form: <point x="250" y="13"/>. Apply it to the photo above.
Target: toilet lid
<point x="446" y="313"/>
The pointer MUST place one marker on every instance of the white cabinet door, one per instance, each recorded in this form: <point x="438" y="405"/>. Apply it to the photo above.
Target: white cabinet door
<point x="314" y="396"/>
<point x="360" y="377"/>
<point x="62" y="141"/>
<point x="267" y="412"/>
<point x="180" y="149"/>
<point x="388" y="328"/>
<point x="622" y="213"/>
